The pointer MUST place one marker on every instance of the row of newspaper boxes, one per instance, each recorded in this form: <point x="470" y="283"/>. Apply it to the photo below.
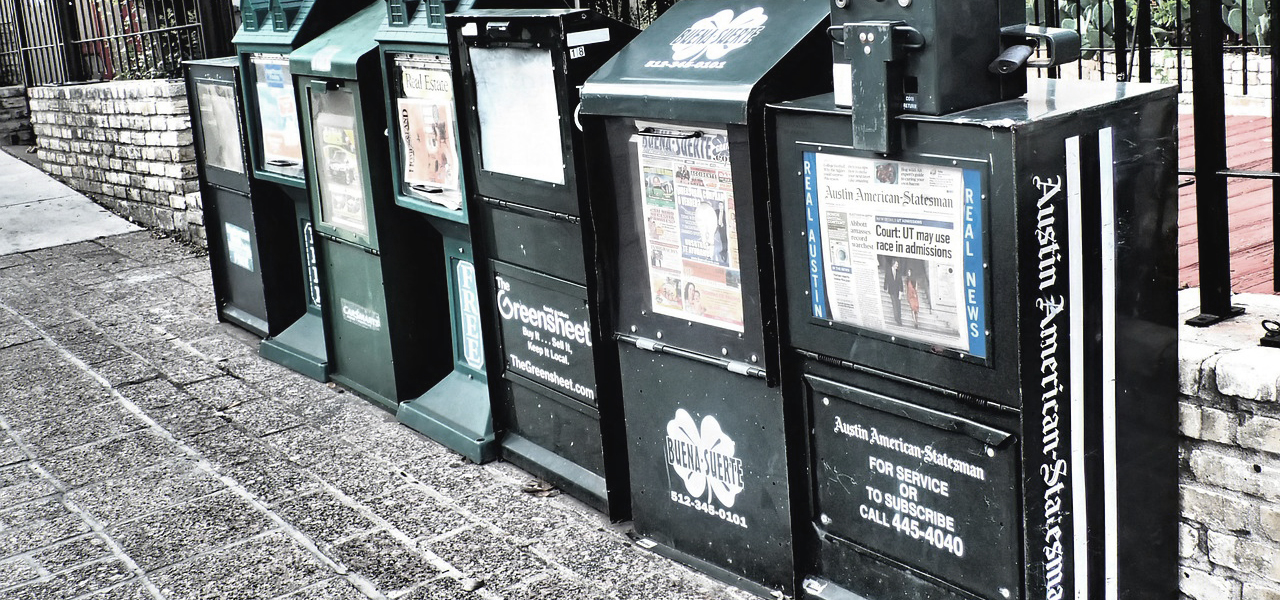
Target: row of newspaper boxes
<point x="921" y="347"/>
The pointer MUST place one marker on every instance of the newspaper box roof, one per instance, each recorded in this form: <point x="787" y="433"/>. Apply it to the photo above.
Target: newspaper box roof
<point x="338" y="52"/>
<point x="713" y="60"/>
<point x="305" y="19"/>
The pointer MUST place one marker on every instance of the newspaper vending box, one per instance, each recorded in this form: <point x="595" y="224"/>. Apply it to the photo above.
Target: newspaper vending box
<point x="383" y="328"/>
<point x="252" y="255"/>
<point x="554" y="381"/>
<point x="270" y="30"/>
<point x="687" y="266"/>
<point x="980" y="324"/>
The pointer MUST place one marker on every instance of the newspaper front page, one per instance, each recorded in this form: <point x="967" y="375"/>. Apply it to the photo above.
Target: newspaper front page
<point x="896" y="247"/>
<point x="689" y="228"/>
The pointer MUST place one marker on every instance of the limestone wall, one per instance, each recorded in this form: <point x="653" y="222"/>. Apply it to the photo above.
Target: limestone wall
<point x="127" y="145"/>
<point x="15" y="118"/>
<point x="1230" y="527"/>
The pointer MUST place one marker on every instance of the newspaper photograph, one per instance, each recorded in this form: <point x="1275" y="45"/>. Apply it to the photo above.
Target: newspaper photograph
<point x="896" y="247"/>
<point x="690" y="234"/>
<point x="425" y="121"/>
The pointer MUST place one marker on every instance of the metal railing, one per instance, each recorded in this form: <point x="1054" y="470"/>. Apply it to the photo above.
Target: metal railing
<point x="1125" y="35"/>
<point x="52" y="42"/>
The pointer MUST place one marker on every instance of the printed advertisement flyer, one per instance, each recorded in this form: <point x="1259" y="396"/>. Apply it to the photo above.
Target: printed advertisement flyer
<point x="338" y="163"/>
<point x="425" y="120"/>
<point x="278" y="115"/>
<point x="690" y="235"/>
<point x="896" y="247"/>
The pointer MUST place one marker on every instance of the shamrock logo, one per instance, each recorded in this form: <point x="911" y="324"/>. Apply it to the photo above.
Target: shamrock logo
<point x="718" y="35"/>
<point x="713" y="469"/>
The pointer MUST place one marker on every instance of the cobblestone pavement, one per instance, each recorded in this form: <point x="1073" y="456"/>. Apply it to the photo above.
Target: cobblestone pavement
<point x="147" y="452"/>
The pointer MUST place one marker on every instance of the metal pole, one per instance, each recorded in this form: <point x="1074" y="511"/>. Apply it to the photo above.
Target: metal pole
<point x="70" y="52"/>
<point x="216" y="26"/>
<point x="1211" y="158"/>
<point x="1144" y="41"/>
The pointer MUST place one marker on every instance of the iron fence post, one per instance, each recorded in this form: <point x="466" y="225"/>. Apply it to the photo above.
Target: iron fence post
<point x="72" y="62"/>
<point x="216" y="28"/>
<point x="1212" y="215"/>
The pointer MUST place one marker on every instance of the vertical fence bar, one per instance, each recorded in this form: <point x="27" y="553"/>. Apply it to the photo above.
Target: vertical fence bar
<point x="1244" y="47"/>
<point x="1212" y="216"/>
<point x="1080" y="28"/>
<point x="1143" y="40"/>
<point x="1120" y="35"/>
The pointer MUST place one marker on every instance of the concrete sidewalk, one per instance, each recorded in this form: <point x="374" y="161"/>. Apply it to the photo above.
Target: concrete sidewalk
<point x="147" y="452"/>
<point x="38" y="212"/>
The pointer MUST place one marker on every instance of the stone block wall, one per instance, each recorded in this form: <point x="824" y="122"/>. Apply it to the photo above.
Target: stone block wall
<point x="1230" y="414"/>
<point x="15" y="118"/>
<point x="126" y="144"/>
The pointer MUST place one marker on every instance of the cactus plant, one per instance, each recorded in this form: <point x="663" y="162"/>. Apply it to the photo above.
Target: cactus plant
<point x="1248" y="19"/>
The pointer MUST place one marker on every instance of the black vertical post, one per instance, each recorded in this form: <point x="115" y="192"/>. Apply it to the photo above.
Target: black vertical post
<point x="73" y="65"/>
<point x="217" y="28"/>
<point x="1120" y="35"/>
<point x="1211" y="160"/>
<point x="1143" y="40"/>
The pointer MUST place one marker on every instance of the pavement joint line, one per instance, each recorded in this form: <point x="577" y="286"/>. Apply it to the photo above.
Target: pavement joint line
<point x="93" y="523"/>
<point x="201" y="461"/>
<point x="301" y="538"/>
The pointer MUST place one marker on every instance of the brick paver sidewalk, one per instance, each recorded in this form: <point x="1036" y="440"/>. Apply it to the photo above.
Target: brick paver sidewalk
<point x="147" y="452"/>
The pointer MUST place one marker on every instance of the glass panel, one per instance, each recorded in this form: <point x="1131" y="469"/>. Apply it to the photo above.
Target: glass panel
<point x="220" y="127"/>
<point x="690" y="229"/>
<point x="519" y="115"/>
<point x="278" y="115"/>
<point x="425" y="122"/>
<point x="895" y="247"/>
<point x="338" y="168"/>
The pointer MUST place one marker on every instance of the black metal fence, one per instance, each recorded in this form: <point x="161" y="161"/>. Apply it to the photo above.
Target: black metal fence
<point x="1121" y="38"/>
<point x="52" y="42"/>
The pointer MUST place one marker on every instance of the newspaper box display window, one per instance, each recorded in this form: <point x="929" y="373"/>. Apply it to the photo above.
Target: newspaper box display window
<point x="890" y="241"/>
<point x="281" y="149"/>
<point x="426" y="122"/>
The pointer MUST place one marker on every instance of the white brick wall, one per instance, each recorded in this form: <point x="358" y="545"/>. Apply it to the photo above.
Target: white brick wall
<point x="1230" y="486"/>
<point x="128" y="145"/>
<point x="15" y="119"/>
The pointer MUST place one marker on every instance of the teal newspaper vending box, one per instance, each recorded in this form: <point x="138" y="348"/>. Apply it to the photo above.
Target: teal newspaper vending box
<point x="270" y="30"/>
<point x="386" y="333"/>
<point x="426" y="171"/>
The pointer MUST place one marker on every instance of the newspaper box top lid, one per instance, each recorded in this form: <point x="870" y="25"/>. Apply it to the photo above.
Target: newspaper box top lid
<point x="338" y="52"/>
<point x="302" y="21"/>
<point x="716" y="61"/>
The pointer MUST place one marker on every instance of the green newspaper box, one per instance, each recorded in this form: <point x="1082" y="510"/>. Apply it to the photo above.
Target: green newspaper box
<point x="383" y="327"/>
<point x="270" y="31"/>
